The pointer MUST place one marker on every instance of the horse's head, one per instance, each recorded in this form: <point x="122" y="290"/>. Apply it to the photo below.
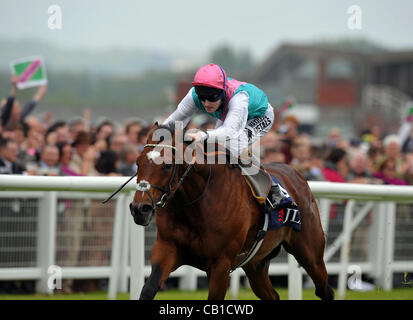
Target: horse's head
<point x="157" y="173"/>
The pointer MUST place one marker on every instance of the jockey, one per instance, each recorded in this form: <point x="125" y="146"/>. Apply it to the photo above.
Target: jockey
<point x="243" y="112"/>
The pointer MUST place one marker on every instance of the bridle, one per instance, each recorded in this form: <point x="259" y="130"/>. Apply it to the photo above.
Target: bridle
<point x="167" y="191"/>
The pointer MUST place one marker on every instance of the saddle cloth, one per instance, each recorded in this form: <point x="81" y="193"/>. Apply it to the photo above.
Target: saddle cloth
<point x="286" y="213"/>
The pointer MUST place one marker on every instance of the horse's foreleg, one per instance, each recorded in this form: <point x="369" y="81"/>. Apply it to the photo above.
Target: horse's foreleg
<point x="164" y="259"/>
<point x="218" y="276"/>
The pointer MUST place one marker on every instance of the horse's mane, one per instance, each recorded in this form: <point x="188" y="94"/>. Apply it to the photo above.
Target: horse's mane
<point x="218" y="147"/>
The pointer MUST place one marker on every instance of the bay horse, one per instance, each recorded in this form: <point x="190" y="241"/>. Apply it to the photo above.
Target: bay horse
<point x="206" y="217"/>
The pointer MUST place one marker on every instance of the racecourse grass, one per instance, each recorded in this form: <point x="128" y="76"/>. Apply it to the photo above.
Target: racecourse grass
<point x="244" y="294"/>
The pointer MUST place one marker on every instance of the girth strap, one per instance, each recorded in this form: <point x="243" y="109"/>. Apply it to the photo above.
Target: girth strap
<point x="257" y="244"/>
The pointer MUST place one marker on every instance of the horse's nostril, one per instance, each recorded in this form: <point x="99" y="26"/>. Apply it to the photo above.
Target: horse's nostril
<point x="140" y="209"/>
<point x="146" y="208"/>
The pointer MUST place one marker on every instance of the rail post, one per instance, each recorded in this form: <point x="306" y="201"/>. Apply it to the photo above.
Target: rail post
<point x="345" y="250"/>
<point x="46" y="240"/>
<point x="116" y="248"/>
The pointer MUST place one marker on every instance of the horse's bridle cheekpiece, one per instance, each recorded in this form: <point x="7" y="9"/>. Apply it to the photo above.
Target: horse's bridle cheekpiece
<point x="145" y="186"/>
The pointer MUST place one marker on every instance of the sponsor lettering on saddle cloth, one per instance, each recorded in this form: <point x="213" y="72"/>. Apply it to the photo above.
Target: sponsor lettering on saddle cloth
<point x="283" y="211"/>
<point x="286" y="213"/>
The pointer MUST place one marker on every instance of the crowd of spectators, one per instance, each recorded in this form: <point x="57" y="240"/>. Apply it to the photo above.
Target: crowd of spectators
<point x="370" y="158"/>
<point x="32" y="146"/>
<point x="76" y="147"/>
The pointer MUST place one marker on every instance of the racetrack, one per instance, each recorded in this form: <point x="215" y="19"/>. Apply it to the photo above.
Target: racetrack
<point x="245" y="294"/>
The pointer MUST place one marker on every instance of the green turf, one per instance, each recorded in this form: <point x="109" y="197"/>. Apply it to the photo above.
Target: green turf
<point x="245" y="294"/>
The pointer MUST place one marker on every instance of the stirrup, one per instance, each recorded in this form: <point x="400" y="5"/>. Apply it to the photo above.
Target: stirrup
<point x="276" y="196"/>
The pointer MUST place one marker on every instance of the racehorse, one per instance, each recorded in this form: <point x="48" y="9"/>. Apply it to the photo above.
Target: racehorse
<point x="206" y="217"/>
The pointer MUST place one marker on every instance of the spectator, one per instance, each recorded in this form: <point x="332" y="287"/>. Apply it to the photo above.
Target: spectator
<point x="388" y="172"/>
<point x="128" y="156"/>
<point x="289" y="131"/>
<point x="371" y="135"/>
<point x="271" y="139"/>
<point x="14" y="131"/>
<point x="334" y="138"/>
<point x="317" y="161"/>
<point x="273" y="155"/>
<point x="336" y="167"/>
<point x="359" y="170"/>
<point x="393" y="150"/>
<point x="104" y="131"/>
<point x="49" y="161"/>
<point x="84" y="156"/>
<point x="301" y="160"/>
<point x="132" y="130"/>
<point x="107" y="163"/>
<point x="32" y="145"/>
<point x="11" y="111"/>
<point x="117" y="142"/>
<point x="62" y="131"/>
<point x="8" y="157"/>
<point x="65" y="155"/>
<point x="78" y="124"/>
<point x="36" y="124"/>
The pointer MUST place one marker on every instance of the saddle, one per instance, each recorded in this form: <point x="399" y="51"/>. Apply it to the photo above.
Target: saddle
<point x="259" y="183"/>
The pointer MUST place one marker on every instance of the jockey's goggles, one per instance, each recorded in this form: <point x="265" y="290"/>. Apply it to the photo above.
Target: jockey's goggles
<point x="210" y="94"/>
<point x="212" y="98"/>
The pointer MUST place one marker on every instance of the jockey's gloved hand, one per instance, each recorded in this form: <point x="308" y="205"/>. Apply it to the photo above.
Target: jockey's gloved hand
<point x="198" y="136"/>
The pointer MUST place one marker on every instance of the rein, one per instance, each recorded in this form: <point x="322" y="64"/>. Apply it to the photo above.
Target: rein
<point x="168" y="193"/>
<point x="145" y="186"/>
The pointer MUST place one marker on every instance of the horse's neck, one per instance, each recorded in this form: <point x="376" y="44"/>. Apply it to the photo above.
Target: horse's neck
<point x="195" y="184"/>
<point x="206" y="181"/>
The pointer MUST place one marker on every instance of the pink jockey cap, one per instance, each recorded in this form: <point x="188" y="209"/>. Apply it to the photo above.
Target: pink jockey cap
<point x="211" y="75"/>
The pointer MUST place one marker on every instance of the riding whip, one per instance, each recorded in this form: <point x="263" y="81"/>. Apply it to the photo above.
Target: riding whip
<point x="118" y="189"/>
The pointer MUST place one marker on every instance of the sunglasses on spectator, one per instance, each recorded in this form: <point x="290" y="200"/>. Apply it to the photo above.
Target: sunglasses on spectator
<point x="211" y="98"/>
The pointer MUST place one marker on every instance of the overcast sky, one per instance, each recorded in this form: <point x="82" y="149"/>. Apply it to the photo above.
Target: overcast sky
<point x="194" y="27"/>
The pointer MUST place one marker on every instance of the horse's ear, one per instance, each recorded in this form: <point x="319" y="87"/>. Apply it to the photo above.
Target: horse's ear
<point x="154" y="127"/>
<point x="152" y="130"/>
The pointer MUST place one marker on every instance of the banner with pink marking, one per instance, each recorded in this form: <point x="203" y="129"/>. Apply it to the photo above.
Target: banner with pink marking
<point x="30" y="71"/>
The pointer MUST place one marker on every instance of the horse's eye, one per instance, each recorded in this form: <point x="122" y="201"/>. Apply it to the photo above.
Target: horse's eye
<point x="167" y="166"/>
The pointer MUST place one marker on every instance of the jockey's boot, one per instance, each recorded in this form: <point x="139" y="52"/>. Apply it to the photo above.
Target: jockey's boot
<point x="275" y="196"/>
